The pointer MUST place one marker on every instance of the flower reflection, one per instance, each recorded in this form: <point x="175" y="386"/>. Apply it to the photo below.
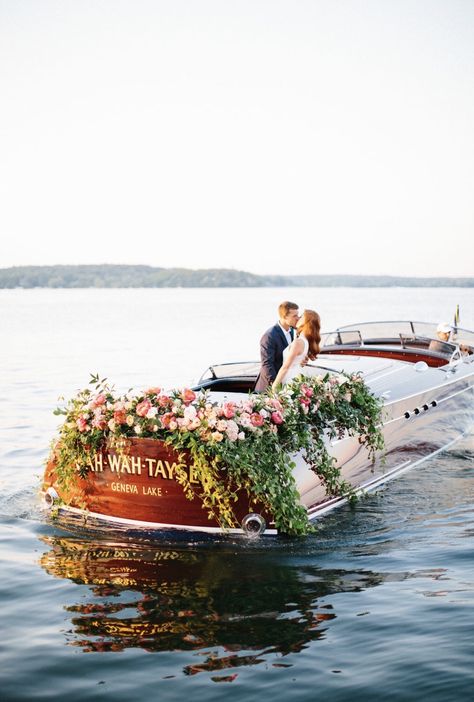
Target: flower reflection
<point x="243" y="604"/>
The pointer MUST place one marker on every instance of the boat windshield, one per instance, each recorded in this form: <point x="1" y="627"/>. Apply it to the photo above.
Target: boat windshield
<point x="247" y="369"/>
<point x="391" y="332"/>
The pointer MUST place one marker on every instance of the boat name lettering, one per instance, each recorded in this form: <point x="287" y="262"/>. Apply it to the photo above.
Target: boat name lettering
<point x="136" y="465"/>
<point x="155" y="491"/>
<point x="124" y="487"/>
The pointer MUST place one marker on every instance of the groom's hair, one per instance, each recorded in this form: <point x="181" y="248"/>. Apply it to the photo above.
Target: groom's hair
<point x="285" y="307"/>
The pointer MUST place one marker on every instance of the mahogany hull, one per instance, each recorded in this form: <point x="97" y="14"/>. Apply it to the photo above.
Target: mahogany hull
<point x="138" y="485"/>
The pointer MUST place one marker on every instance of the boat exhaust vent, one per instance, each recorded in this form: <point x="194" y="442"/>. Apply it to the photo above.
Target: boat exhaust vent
<point x="50" y="497"/>
<point x="253" y="525"/>
<point x="417" y="410"/>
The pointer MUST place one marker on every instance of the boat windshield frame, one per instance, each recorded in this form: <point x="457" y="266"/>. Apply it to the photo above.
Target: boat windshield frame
<point x="398" y="332"/>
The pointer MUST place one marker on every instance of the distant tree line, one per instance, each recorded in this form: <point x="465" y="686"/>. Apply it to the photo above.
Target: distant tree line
<point x="123" y="276"/>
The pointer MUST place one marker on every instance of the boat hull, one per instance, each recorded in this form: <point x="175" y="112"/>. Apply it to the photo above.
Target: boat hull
<point x="138" y="487"/>
<point x="415" y="428"/>
<point x="424" y="413"/>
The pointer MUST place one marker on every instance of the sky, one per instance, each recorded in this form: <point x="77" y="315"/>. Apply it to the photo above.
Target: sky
<point x="271" y="136"/>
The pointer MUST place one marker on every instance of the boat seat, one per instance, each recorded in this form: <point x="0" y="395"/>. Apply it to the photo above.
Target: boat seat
<point x="444" y="347"/>
<point x="241" y="385"/>
<point x="412" y="341"/>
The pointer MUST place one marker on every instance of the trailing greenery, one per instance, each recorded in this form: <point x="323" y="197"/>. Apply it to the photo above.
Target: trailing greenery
<point x="128" y="276"/>
<point x="234" y="446"/>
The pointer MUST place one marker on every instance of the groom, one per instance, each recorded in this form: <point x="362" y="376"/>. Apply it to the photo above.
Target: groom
<point x="273" y="342"/>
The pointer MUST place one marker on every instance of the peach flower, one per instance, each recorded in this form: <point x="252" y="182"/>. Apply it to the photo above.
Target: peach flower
<point x="143" y="407"/>
<point x="188" y="396"/>
<point x="256" y="419"/>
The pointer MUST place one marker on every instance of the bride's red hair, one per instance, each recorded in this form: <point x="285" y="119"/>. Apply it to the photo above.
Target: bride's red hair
<point x="311" y="328"/>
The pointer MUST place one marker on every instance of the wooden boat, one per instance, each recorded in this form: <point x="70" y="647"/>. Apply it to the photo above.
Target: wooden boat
<point x="137" y="487"/>
<point x="428" y="394"/>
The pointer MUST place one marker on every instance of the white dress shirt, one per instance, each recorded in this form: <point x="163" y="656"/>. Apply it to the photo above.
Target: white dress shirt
<point x="287" y="334"/>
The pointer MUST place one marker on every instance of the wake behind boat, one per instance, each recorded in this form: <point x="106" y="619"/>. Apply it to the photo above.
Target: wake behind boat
<point x="425" y="387"/>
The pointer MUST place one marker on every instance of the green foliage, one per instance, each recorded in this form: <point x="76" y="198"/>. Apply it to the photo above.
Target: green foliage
<point x="245" y="446"/>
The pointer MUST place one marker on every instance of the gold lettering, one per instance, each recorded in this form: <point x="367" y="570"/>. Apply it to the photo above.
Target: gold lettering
<point x="170" y="469"/>
<point x="136" y="465"/>
<point x="150" y="462"/>
<point x="124" y="487"/>
<point x="160" y="469"/>
<point x="125" y="465"/>
<point x="114" y="463"/>
<point x="192" y="475"/>
<point x="174" y="467"/>
<point x="155" y="491"/>
<point x="98" y="465"/>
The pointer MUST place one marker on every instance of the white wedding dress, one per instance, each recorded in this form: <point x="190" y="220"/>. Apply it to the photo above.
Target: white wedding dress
<point x="296" y="368"/>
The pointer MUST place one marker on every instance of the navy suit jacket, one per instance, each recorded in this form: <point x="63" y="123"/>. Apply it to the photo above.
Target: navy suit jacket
<point x="272" y="344"/>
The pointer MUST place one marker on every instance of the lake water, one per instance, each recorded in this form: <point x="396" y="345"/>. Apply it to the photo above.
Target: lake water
<point x="377" y="605"/>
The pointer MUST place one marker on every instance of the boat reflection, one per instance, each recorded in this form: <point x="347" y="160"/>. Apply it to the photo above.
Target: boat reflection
<point x="248" y="603"/>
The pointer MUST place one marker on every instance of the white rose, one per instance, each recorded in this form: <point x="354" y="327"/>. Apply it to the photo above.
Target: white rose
<point x="190" y="413"/>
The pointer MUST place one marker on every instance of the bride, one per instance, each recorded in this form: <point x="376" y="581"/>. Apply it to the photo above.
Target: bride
<point x="306" y="345"/>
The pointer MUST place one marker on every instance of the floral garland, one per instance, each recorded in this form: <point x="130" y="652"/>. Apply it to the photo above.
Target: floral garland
<point x="224" y="439"/>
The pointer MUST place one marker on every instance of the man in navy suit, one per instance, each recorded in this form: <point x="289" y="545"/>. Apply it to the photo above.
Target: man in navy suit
<point x="273" y="342"/>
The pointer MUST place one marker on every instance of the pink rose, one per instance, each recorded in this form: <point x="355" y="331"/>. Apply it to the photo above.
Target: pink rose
<point x="100" y="400"/>
<point x="277" y="418"/>
<point x="82" y="424"/>
<point x="120" y="416"/>
<point x="143" y="407"/>
<point x="256" y="419"/>
<point x="167" y="419"/>
<point x="188" y="396"/>
<point x="98" y="422"/>
<point x="228" y="409"/>
<point x="164" y="400"/>
<point x="306" y="390"/>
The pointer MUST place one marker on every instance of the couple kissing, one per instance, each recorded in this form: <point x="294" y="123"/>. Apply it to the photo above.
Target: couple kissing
<point x="287" y="346"/>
